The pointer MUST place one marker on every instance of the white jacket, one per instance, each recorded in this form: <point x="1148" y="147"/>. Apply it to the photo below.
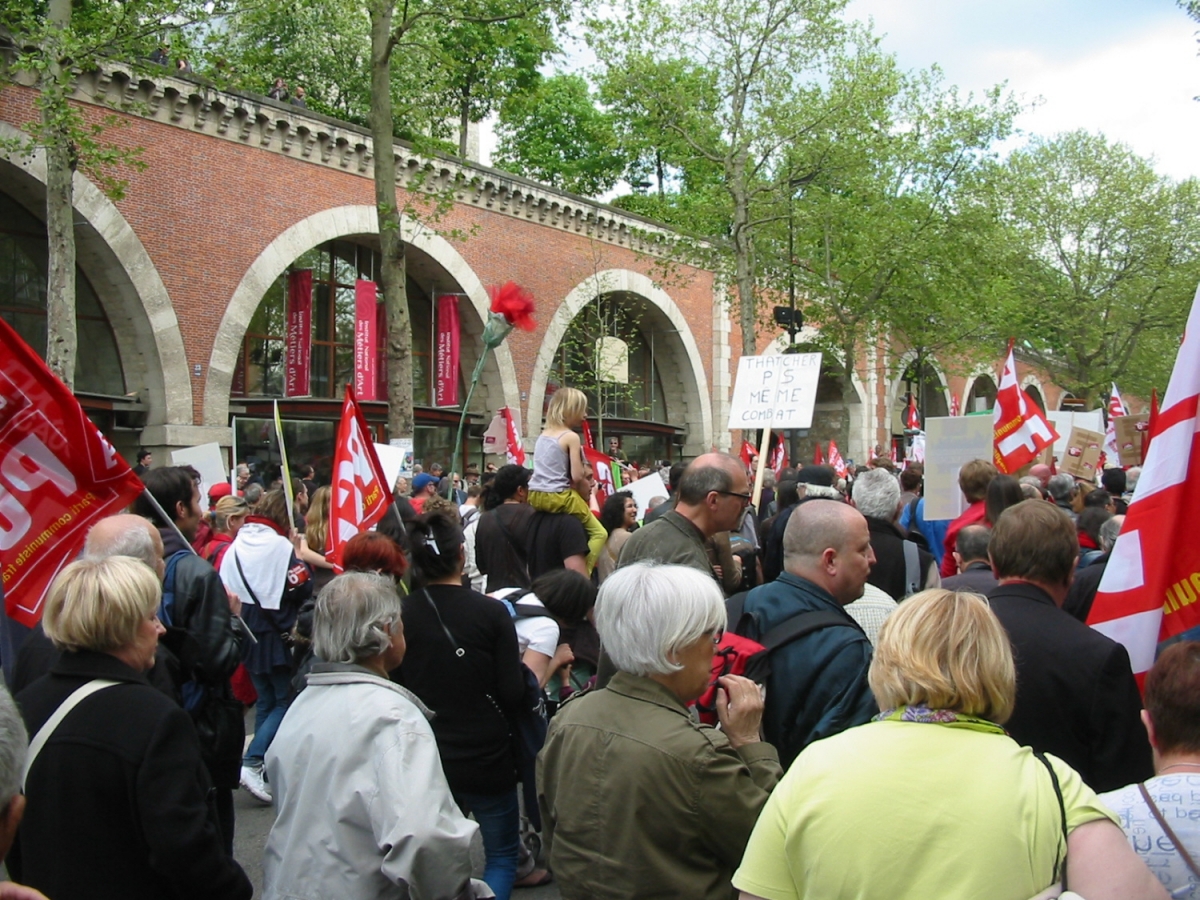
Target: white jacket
<point x="363" y="808"/>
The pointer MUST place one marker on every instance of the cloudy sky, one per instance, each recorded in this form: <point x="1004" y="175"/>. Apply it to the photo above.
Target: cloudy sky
<point x="1127" y="68"/>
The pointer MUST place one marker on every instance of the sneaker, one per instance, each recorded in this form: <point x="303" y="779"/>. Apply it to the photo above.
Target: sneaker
<point x="254" y="781"/>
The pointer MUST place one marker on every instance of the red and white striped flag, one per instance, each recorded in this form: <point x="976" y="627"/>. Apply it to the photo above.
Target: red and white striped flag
<point x="1021" y="431"/>
<point x="1116" y="409"/>
<point x="955" y="409"/>
<point x="912" y="419"/>
<point x="361" y="494"/>
<point x="818" y="459"/>
<point x="1150" y="586"/>
<point x="514" y="450"/>
<point x="779" y="456"/>
<point x="835" y="460"/>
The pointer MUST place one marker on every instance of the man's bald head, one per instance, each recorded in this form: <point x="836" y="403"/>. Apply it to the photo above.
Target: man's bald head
<point x="1042" y="473"/>
<point x="829" y="544"/>
<point x="126" y="535"/>
<point x="710" y="472"/>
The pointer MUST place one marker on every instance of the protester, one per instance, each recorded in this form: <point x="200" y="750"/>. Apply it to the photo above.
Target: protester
<point x="637" y="799"/>
<point x="973" y="481"/>
<point x="1087" y="579"/>
<point x="314" y="544"/>
<point x="228" y="517"/>
<point x="988" y="822"/>
<point x="463" y="662"/>
<point x="1062" y="489"/>
<point x="261" y="566"/>
<point x="1088" y="526"/>
<point x="1003" y="491"/>
<point x="818" y="683"/>
<point x="899" y="569"/>
<point x="871" y="610"/>
<point x="203" y="610"/>
<point x="145" y="459"/>
<point x="619" y="517"/>
<point x="815" y="483"/>
<point x="118" y="797"/>
<point x="974" y="564"/>
<point x="672" y="481"/>
<point x="1076" y="695"/>
<point x="1161" y="817"/>
<point x="469" y="509"/>
<point x="14" y="745"/>
<point x="351" y="735"/>
<point x="1115" y="482"/>
<point x="300" y="501"/>
<point x="424" y="486"/>
<point x="911" y="481"/>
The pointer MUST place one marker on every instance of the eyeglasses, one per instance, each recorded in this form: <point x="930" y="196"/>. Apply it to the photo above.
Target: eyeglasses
<point x="745" y="498"/>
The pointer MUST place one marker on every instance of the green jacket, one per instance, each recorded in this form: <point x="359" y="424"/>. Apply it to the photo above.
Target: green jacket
<point x="639" y="800"/>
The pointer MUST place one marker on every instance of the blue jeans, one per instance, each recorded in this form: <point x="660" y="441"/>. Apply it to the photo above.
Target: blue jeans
<point x="272" y="690"/>
<point x="499" y="819"/>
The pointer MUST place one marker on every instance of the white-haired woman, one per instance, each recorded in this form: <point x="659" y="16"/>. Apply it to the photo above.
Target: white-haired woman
<point x="362" y="803"/>
<point x="637" y="799"/>
<point x="117" y="795"/>
<point x="934" y="799"/>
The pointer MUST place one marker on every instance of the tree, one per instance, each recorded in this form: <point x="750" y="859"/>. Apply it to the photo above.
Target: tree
<point x="556" y="134"/>
<point x="51" y="42"/>
<point x="1109" y="258"/>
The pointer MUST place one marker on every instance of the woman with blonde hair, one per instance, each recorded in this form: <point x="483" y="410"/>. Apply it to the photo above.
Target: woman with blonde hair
<point x="314" y="543"/>
<point x="947" y="803"/>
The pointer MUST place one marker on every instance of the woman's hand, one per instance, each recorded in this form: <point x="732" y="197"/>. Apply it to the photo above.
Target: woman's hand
<point x="739" y="709"/>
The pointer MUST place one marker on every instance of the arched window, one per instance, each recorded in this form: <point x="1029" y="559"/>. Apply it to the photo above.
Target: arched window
<point x="23" y="265"/>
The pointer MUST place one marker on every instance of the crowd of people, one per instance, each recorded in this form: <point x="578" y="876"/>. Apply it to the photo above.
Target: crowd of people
<point x="827" y="696"/>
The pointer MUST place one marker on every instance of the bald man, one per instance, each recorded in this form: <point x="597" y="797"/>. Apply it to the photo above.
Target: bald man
<point x="713" y="493"/>
<point x="819" y="654"/>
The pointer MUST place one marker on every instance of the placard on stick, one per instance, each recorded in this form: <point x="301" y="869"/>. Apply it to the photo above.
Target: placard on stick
<point x="775" y="392"/>
<point x="1131" y="431"/>
<point x="1082" y="454"/>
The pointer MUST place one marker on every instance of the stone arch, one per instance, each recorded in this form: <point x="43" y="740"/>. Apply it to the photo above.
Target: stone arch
<point x="1032" y="385"/>
<point x="128" y="286"/>
<point x="328" y="225"/>
<point x="896" y="385"/>
<point x="682" y="347"/>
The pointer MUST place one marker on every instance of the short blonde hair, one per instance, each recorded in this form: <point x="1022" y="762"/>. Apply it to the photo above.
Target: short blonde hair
<point x="99" y="603"/>
<point x="945" y="650"/>
<point x="566" y="404"/>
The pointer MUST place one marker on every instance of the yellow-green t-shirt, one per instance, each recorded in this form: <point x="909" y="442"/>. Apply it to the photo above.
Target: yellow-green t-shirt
<point x="913" y="811"/>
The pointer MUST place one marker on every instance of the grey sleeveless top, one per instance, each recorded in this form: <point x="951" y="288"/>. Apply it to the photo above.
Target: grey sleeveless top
<point x="551" y="468"/>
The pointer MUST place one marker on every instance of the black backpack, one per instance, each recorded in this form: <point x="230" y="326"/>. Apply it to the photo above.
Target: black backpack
<point x="740" y="622"/>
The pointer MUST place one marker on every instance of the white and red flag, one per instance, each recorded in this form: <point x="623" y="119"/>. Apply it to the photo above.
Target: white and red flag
<point x="749" y="456"/>
<point x="513" y="448"/>
<point x="1150" y="586"/>
<point x="1116" y="409"/>
<point x="818" y="459"/>
<point x="361" y="494"/>
<point x="58" y="475"/>
<point x="912" y="419"/>
<point x="835" y="460"/>
<point x="955" y="409"/>
<point x="1021" y="432"/>
<point x="779" y="456"/>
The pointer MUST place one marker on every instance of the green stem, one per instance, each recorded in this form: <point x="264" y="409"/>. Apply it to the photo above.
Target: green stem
<point x="462" y="419"/>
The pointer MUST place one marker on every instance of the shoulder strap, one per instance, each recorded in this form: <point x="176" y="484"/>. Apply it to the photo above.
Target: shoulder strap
<point x="166" y="606"/>
<point x="734" y="609"/>
<point x="802" y="624"/>
<point x="1060" y="857"/>
<point x="912" y="568"/>
<point x="1158" y="817"/>
<point x="76" y="697"/>
<point x="529" y="611"/>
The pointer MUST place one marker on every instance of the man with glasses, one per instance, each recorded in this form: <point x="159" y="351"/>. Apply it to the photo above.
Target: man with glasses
<point x="713" y="492"/>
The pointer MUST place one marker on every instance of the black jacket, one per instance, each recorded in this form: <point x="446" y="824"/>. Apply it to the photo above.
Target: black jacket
<point x="1076" y="695"/>
<point x="119" y="803"/>
<point x="977" y="578"/>
<point x="1084" y="588"/>
<point x="889" y="573"/>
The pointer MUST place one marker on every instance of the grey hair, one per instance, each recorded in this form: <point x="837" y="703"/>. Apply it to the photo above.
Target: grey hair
<point x="647" y="612"/>
<point x="877" y="494"/>
<point x="135" y="542"/>
<point x="14" y="744"/>
<point x="1061" y="486"/>
<point x="355" y="617"/>
<point x="1132" y="474"/>
<point x="1109" y="532"/>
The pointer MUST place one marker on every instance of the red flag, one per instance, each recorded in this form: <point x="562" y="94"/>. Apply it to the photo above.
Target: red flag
<point x="1150" y="423"/>
<point x="912" y="420"/>
<point x="749" y="455"/>
<point x="58" y="475"/>
<point x="446" y="384"/>
<point x="779" y="456"/>
<point x="955" y="409"/>
<point x="603" y="467"/>
<point x="365" y="357"/>
<point x="895" y="452"/>
<point x="818" y="459"/>
<point x="587" y="434"/>
<point x="516" y="453"/>
<point x="1149" y="589"/>
<point x="297" y="368"/>
<point x="1020" y="430"/>
<point x="835" y="460"/>
<point x="1116" y="409"/>
<point x="360" y="495"/>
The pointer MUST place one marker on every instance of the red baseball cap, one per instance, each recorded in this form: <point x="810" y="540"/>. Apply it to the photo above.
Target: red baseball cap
<point x="217" y="491"/>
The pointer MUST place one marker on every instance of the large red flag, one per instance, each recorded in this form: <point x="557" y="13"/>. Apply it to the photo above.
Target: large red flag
<point x="1150" y="586"/>
<point x="513" y="448"/>
<point x="1021" y="431"/>
<point x="835" y="460"/>
<point x="1116" y="409"/>
<point x="818" y="459"/>
<point x="749" y="455"/>
<point x="58" y="475"/>
<point x="606" y="471"/>
<point x="587" y="435"/>
<point x="912" y="419"/>
<point x="360" y="494"/>
<point x="779" y="455"/>
<point x="954" y="407"/>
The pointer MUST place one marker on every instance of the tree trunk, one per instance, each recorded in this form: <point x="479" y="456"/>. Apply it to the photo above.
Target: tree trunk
<point x="743" y="258"/>
<point x="401" y="423"/>
<point x="464" y="122"/>
<point x="61" y="339"/>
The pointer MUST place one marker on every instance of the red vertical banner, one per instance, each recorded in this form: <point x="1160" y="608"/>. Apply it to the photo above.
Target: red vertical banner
<point x="446" y="390"/>
<point x="381" y="340"/>
<point x="298" y="341"/>
<point x="365" y="361"/>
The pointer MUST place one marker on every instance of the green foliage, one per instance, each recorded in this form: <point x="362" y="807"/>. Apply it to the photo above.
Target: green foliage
<point x="557" y="134"/>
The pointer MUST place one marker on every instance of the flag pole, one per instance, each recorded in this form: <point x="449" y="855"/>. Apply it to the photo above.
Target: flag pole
<point x="762" y="464"/>
<point x="287" y="474"/>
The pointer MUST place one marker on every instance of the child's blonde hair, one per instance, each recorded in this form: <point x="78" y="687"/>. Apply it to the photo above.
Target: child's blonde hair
<point x="567" y="405"/>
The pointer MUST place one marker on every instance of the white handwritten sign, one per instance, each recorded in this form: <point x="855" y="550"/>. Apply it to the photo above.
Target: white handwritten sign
<point x="775" y="391"/>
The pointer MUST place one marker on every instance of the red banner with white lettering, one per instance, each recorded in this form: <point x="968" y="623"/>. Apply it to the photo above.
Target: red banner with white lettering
<point x="513" y="448"/>
<point x="446" y="385"/>
<point x="365" y="360"/>
<point x="835" y="460"/>
<point x="58" y="475"/>
<point x="361" y="494"/>
<point x="297" y="367"/>
<point x="1020" y="430"/>
<point x="381" y="341"/>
